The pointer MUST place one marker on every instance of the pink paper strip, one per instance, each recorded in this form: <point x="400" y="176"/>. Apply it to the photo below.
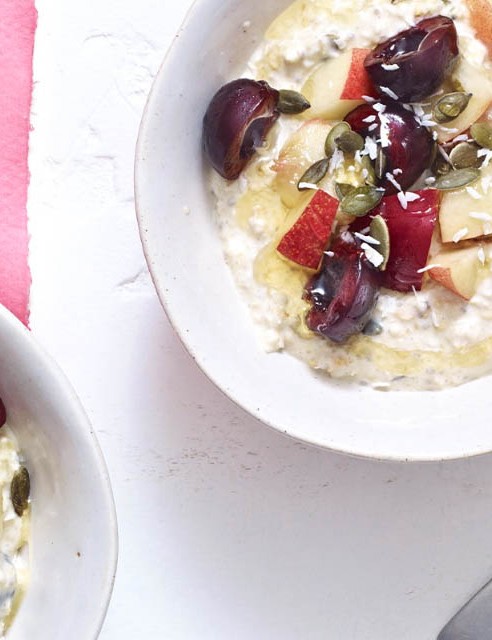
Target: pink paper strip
<point x="17" y="26"/>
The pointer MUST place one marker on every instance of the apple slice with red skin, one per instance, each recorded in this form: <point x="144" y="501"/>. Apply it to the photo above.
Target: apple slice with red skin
<point x="358" y="83"/>
<point x="481" y="20"/>
<point x="458" y="270"/>
<point x="305" y="242"/>
<point x="410" y="231"/>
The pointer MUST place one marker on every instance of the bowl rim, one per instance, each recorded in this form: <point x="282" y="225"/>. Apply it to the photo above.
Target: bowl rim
<point x="83" y="426"/>
<point x="353" y="450"/>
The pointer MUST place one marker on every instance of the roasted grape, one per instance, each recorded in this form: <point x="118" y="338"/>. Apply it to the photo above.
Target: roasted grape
<point x="407" y="148"/>
<point x="236" y="122"/>
<point x="343" y="293"/>
<point x="414" y="63"/>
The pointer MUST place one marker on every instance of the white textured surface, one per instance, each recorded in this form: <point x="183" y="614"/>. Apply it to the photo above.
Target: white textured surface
<point x="228" y="530"/>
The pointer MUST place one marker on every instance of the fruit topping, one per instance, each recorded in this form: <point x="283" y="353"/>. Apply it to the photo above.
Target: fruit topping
<point x="412" y="65"/>
<point x="343" y="293"/>
<point x="458" y="270"/>
<point x="236" y="122"/>
<point x="358" y="85"/>
<point x="410" y="232"/>
<point x="306" y="240"/>
<point x="403" y="147"/>
<point x="338" y="85"/>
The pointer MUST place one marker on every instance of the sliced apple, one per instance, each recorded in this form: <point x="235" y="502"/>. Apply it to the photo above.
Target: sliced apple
<point x="477" y="82"/>
<point x="305" y="242"/>
<point x="337" y="85"/>
<point x="458" y="270"/>
<point x="304" y="147"/>
<point x="467" y="213"/>
<point x="481" y="20"/>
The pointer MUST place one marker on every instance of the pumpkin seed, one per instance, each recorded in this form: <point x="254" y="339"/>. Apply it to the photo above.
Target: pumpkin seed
<point x="372" y="328"/>
<point x="369" y="167"/>
<point x="440" y="166"/>
<point x="336" y="132"/>
<point x="20" y="488"/>
<point x="464" y="155"/>
<point x="380" y="165"/>
<point x="314" y="174"/>
<point x="378" y="230"/>
<point x="450" y="106"/>
<point x="481" y="132"/>
<point x="361" y="200"/>
<point x="342" y="189"/>
<point x="349" y="142"/>
<point x="456" y="179"/>
<point x="292" y="102"/>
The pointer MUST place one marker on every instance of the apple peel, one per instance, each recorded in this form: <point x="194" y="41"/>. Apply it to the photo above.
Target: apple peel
<point x="305" y="242"/>
<point x="358" y="83"/>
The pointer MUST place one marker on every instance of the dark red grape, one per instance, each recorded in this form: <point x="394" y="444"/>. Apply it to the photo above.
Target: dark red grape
<point x="343" y="293"/>
<point x="425" y="54"/>
<point x="410" y="147"/>
<point x="236" y="122"/>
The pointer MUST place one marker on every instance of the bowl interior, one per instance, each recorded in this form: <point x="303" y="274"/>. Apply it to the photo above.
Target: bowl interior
<point x="73" y="549"/>
<point x="185" y="258"/>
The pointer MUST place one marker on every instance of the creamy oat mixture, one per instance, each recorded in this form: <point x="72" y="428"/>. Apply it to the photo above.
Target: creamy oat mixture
<point x="431" y="338"/>
<point x="14" y="534"/>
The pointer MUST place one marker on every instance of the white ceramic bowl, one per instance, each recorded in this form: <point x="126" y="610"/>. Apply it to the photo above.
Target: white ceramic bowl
<point x="185" y="258"/>
<point x="74" y="534"/>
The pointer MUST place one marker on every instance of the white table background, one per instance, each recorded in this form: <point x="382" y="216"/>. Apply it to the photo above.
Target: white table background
<point x="227" y="529"/>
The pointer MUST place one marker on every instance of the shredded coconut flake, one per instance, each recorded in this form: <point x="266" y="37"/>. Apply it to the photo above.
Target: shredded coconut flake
<point x="411" y="196"/>
<point x="307" y="185"/>
<point x="390" y="67"/>
<point x="389" y="92"/>
<point x="462" y="138"/>
<point x="380" y="108"/>
<point x="364" y="238"/>
<point x="371" y="148"/>
<point x="372" y="127"/>
<point x="402" y="199"/>
<point x="480" y="215"/>
<point x="460" y="234"/>
<point x="371" y="118"/>
<point x="368" y="99"/>
<point x="430" y="180"/>
<point x="397" y="172"/>
<point x="372" y="255"/>
<point x="391" y="178"/>
<point x="428" y="268"/>
<point x="330" y="254"/>
<point x="473" y="193"/>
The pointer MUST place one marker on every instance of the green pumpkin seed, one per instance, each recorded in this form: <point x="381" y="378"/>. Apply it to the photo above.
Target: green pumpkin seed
<point x="369" y="167"/>
<point x="314" y="174"/>
<point x="379" y="231"/>
<point x="349" y="142"/>
<point x="450" y="106"/>
<point x="20" y="488"/>
<point x="481" y="132"/>
<point x="361" y="200"/>
<point x="464" y="155"/>
<point x="342" y="189"/>
<point x="372" y="328"/>
<point x="456" y="179"/>
<point x="292" y="102"/>
<point x="440" y="166"/>
<point x="336" y="132"/>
